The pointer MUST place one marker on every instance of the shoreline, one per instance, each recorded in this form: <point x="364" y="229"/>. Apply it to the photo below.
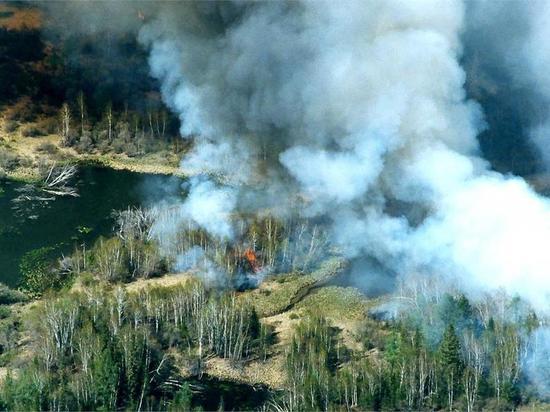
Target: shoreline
<point x="28" y="150"/>
<point x="30" y="174"/>
<point x="130" y="165"/>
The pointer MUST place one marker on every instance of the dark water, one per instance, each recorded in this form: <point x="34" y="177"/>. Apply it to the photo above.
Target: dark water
<point x="66" y="222"/>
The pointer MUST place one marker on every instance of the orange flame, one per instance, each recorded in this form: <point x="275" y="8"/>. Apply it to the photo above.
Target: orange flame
<point x="251" y="258"/>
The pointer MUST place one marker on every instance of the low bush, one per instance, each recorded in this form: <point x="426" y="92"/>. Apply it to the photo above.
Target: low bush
<point x="32" y="131"/>
<point x="84" y="145"/>
<point x="10" y="126"/>
<point x="10" y="296"/>
<point x="47" y="147"/>
<point x="5" y="312"/>
<point x="40" y="273"/>
<point x="48" y="125"/>
<point x="8" y="160"/>
<point x="23" y="110"/>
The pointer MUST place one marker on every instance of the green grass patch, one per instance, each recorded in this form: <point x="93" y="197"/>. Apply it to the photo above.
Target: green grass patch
<point x="336" y="302"/>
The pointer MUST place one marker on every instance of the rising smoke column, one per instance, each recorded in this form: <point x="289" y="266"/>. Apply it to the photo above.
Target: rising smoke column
<point x="357" y="106"/>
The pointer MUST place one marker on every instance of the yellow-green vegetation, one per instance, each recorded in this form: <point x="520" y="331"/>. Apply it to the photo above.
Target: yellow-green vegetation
<point x="162" y="162"/>
<point x="337" y="303"/>
<point x="280" y="292"/>
<point x="314" y="350"/>
<point x="277" y="293"/>
<point x="21" y="157"/>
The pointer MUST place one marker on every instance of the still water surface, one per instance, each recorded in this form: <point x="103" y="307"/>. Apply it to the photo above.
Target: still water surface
<point x="66" y="221"/>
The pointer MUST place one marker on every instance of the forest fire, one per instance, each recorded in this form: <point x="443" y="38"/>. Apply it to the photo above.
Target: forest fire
<point x="278" y="206"/>
<point x="252" y="260"/>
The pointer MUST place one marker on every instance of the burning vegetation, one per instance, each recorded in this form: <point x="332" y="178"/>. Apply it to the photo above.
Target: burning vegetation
<point x="260" y="246"/>
<point x="251" y="261"/>
<point x="360" y="112"/>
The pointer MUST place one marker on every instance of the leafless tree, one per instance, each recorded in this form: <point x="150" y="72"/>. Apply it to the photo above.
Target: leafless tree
<point x="82" y="109"/>
<point x="57" y="179"/>
<point x="109" y="118"/>
<point x="65" y="124"/>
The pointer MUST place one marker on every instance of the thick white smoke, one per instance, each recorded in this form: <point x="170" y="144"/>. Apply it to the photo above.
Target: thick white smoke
<point x="357" y="106"/>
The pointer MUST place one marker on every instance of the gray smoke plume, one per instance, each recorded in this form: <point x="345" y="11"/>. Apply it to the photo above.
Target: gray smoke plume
<point x="358" y="109"/>
<point x="362" y="114"/>
<point x="356" y="113"/>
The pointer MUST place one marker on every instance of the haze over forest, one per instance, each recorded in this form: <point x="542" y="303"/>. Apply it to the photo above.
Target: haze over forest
<point x="287" y="206"/>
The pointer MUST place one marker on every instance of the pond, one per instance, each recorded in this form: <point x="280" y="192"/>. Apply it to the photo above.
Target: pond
<point x="66" y="222"/>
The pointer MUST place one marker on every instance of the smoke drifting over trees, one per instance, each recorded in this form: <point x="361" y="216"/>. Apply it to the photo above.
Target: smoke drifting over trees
<point x="357" y="114"/>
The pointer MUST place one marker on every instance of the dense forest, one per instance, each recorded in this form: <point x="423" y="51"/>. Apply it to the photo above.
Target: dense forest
<point x="94" y="342"/>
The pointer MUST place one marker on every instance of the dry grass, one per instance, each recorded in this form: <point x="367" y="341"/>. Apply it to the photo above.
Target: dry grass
<point x="338" y="303"/>
<point x="164" y="163"/>
<point x="344" y="308"/>
<point x="17" y="17"/>
<point x="534" y="406"/>
<point x="171" y="280"/>
<point x="280" y="292"/>
<point x="31" y="148"/>
<point x="277" y="294"/>
<point x="269" y="373"/>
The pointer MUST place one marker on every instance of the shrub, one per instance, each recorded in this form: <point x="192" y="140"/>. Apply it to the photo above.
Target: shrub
<point x="122" y="146"/>
<point x="48" y="125"/>
<point x="32" y="131"/>
<point x="103" y="146"/>
<point x="8" y="160"/>
<point x="23" y="110"/>
<point x="118" y="146"/>
<point x="47" y="147"/>
<point x="85" y="144"/>
<point x="10" y="126"/>
<point x="39" y="272"/>
<point x="10" y="296"/>
<point x="5" y="312"/>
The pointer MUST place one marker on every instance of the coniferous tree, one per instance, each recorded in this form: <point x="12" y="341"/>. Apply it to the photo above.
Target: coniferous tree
<point x="451" y="363"/>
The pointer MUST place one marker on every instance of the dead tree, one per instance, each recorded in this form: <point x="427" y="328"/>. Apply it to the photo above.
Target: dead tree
<point x="57" y="181"/>
<point x="65" y="124"/>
